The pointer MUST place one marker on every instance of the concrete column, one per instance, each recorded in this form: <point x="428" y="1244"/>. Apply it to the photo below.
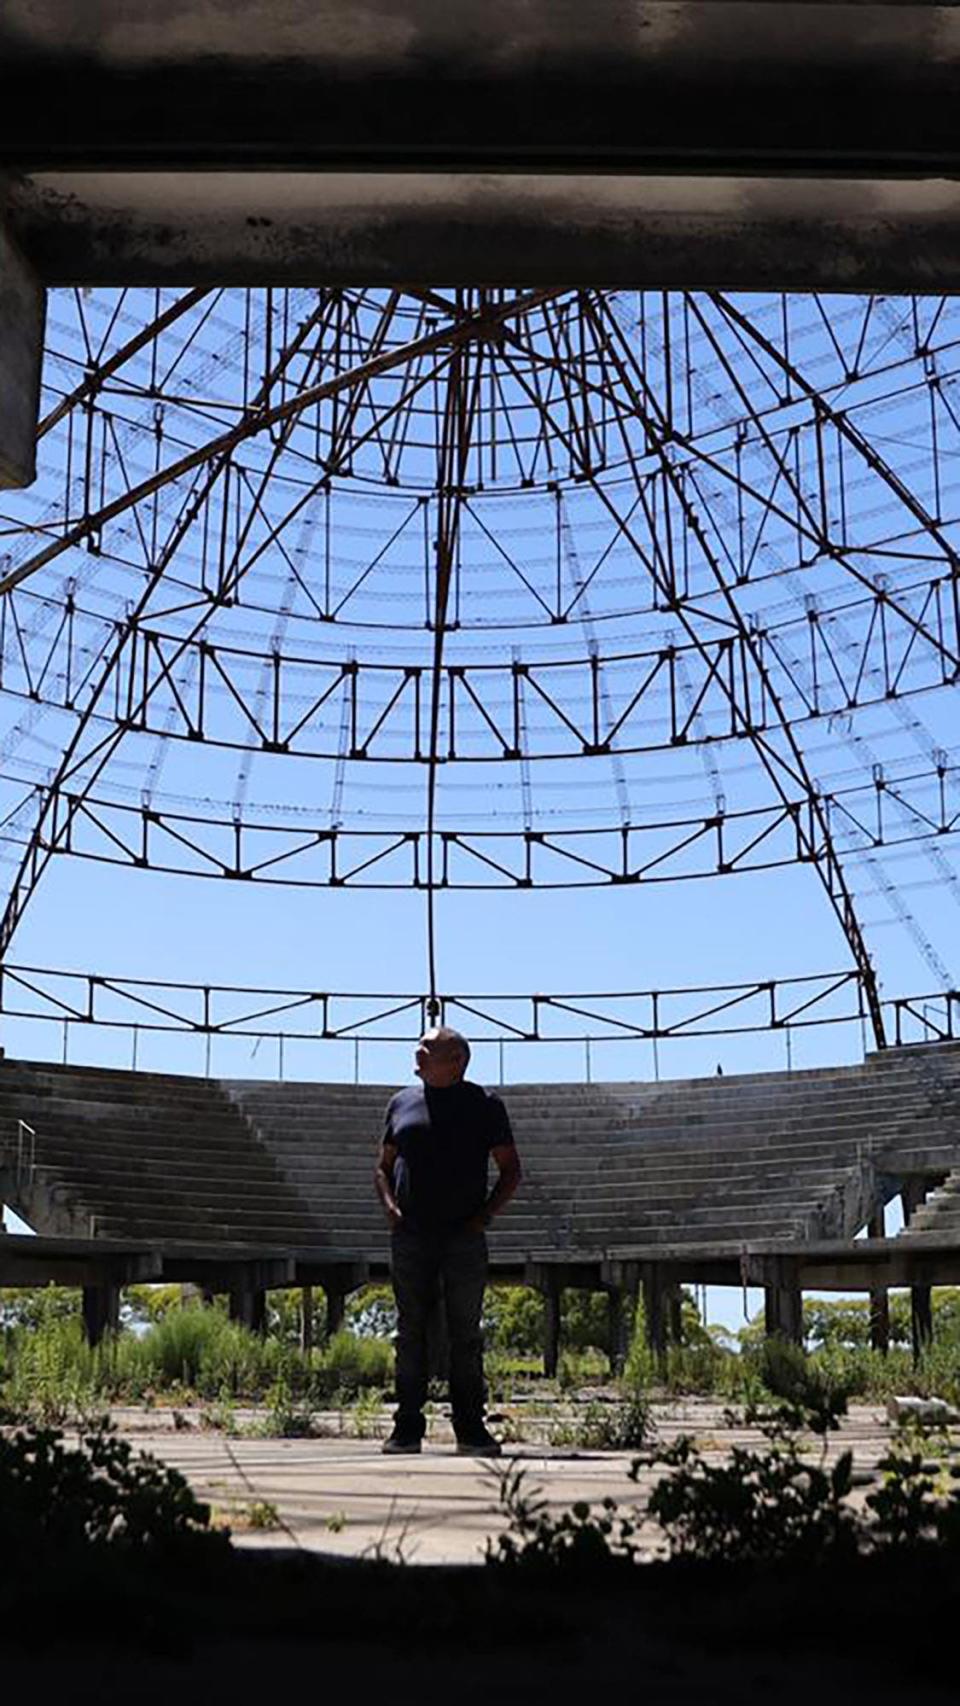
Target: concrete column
<point x="22" y="312"/>
<point x="101" y="1311"/>
<point x="551" y="1327"/>
<point x="914" y="1193"/>
<point x="921" y="1319"/>
<point x="622" y="1294"/>
<point x="879" y="1299"/>
<point x="336" y="1308"/>
<point x="783" y="1306"/>
<point x="306" y="1318"/>
<point x="248" y="1306"/>
<point x="617" y="1318"/>
<point x="655" y="1308"/>
<point x="674" y="1301"/>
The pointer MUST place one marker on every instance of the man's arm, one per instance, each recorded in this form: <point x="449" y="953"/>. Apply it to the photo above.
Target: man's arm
<point x="509" y="1174"/>
<point x="383" y="1182"/>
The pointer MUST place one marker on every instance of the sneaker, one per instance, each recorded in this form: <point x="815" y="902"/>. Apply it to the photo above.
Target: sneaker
<point x="479" y="1444"/>
<point x="398" y="1446"/>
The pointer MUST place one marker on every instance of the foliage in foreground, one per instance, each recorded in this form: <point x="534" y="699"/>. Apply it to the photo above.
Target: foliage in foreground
<point x="99" y="1492"/>
<point x="760" y="1505"/>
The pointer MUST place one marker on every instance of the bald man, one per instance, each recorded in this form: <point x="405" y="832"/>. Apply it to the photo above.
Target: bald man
<point x="432" y="1179"/>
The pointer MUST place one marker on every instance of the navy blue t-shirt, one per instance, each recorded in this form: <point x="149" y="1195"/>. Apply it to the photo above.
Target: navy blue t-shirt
<point x="443" y="1139"/>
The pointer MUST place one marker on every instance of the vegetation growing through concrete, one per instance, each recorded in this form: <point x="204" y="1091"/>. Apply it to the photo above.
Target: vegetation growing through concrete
<point x="184" y="1356"/>
<point x="759" y="1505"/>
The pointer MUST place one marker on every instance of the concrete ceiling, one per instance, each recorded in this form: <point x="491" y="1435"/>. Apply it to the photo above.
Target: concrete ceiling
<point x="652" y="142"/>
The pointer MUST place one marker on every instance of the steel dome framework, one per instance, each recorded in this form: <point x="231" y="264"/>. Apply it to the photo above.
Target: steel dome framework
<point x="481" y="559"/>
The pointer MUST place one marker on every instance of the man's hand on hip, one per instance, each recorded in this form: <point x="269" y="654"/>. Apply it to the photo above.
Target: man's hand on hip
<point x="478" y="1222"/>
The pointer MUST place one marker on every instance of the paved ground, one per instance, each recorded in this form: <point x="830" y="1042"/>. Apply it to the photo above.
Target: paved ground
<point x="341" y="1496"/>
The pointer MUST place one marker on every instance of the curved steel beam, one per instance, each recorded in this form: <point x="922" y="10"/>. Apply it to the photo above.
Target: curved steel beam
<point x="880" y="814"/>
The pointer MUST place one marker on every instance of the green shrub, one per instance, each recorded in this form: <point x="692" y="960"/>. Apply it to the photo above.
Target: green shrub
<point x="757" y="1506"/>
<point x="348" y="1365"/>
<point x="579" y="1539"/>
<point x="809" y="1392"/>
<point x="513" y="1320"/>
<point x="98" y="1493"/>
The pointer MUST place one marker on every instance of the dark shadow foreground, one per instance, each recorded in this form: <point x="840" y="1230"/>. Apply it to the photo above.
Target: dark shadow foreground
<point x="92" y="1626"/>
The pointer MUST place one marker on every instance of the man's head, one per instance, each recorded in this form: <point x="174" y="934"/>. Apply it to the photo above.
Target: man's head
<point x="442" y="1057"/>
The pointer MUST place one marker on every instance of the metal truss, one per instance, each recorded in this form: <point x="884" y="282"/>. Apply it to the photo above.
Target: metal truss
<point x="78" y="998"/>
<point x="211" y="462"/>
<point x="697" y="437"/>
<point x="887" y="812"/>
<point x="635" y="701"/>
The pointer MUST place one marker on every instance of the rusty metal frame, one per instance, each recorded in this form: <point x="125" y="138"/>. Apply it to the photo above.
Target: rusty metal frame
<point x="886" y="812"/>
<point x="776" y="1004"/>
<point x="212" y="461"/>
<point x="591" y="710"/>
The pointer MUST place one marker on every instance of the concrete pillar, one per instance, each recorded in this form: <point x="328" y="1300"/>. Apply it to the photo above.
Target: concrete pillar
<point x="101" y="1311"/>
<point x="879" y="1298"/>
<point x="248" y="1306"/>
<point x="655" y="1308"/>
<point x="914" y="1193"/>
<point x="22" y="312"/>
<point x="306" y="1318"/>
<point x="783" y="1306"/>
<point x="551" y="1327"/>
<point x="621" y="1311"/>
<point x="674" y="1305"/>
<point x="921" y="1319"/>
<point x="336" y="1308"/>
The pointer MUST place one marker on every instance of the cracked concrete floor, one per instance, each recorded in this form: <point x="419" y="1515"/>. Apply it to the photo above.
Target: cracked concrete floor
<point x="342" y="1497"/>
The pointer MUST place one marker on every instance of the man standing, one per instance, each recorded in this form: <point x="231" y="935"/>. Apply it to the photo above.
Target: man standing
<point x="439" y="1136"/>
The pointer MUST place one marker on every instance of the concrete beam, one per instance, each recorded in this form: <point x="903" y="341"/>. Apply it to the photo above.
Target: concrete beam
<point x="22" y="312"/>
<point x="488" y="85"/>
<point x="619" y="230"/>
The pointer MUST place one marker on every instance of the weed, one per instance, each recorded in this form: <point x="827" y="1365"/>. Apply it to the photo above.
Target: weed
<point x="576" y="1539"/>
<point x="756" y="1506"/>
<point x="286" y="1418"/>
<point x="605" y="1427"/>
<point x="221" y="1415"/>
<point x="367" y="1412"/>
<point x="263" y="1515"/>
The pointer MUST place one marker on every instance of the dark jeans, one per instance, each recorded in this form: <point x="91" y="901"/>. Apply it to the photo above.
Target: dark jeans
<point x="421" y="1262"/>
